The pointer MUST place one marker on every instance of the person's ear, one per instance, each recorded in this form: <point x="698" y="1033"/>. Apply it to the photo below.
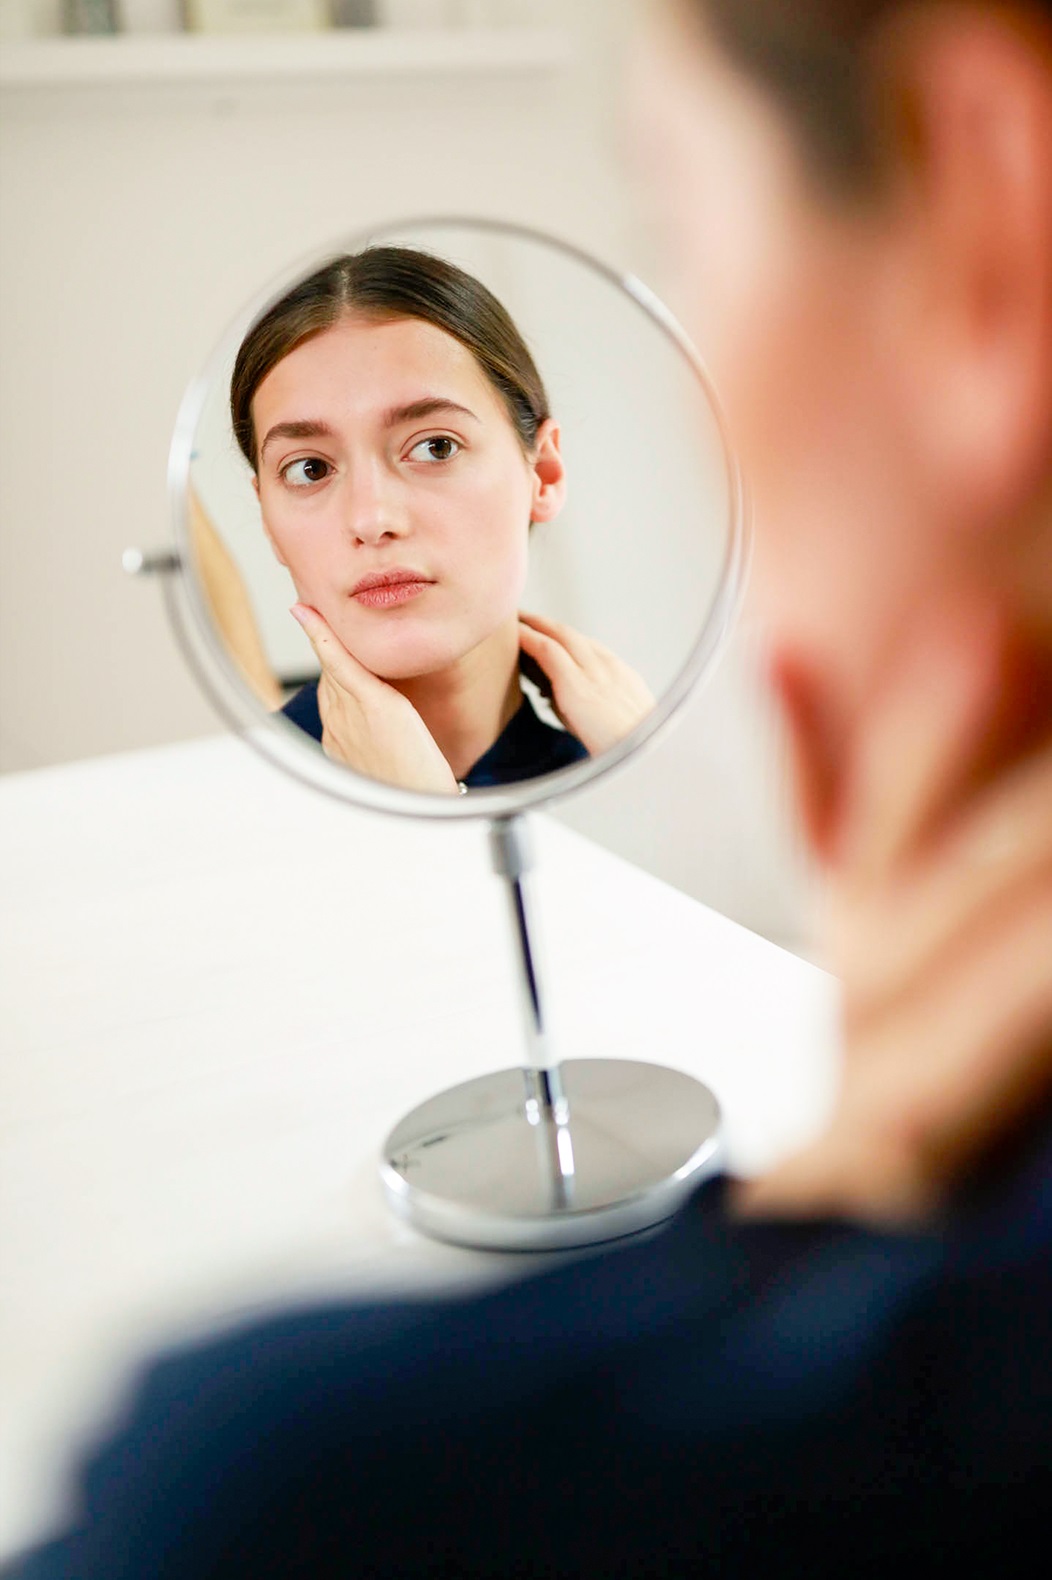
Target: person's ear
<point x="270" y="536"/>
<point x="977" y="91"/>
<point x="548" y="473"/>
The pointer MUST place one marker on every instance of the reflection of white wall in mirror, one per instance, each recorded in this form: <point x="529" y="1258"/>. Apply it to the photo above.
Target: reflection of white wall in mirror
<point x="256" y="16"/>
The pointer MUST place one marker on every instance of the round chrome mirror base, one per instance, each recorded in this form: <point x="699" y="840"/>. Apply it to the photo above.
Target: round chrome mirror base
<point x="481" y="1165"/>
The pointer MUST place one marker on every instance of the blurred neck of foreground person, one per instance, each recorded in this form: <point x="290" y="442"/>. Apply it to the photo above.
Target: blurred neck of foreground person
<point x="858" y="196"/>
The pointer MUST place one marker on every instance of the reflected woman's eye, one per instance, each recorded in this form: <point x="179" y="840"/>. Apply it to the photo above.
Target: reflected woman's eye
<point x="439" y="448"/>
<point x="301" y="474"/>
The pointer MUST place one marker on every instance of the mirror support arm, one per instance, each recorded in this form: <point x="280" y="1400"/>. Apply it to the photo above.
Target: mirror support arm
<point x="512" y="859"/>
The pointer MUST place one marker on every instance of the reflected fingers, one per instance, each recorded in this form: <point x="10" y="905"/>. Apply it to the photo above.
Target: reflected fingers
<point x="577" y="646"/>
<point x="341" y="667"/>
<point x="552" y="655"/>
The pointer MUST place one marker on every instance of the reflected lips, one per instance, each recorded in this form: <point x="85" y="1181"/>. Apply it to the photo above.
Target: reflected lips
<point x="385" y="589"/>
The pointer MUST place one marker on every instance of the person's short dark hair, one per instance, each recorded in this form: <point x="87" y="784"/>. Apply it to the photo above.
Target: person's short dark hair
<point x="815" y="56"/>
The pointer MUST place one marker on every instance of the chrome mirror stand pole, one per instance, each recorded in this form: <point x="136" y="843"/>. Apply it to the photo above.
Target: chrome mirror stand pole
<point x="512" y="859"/>
<point x="552" y="1154"/>
<point x="546" y="1107"/>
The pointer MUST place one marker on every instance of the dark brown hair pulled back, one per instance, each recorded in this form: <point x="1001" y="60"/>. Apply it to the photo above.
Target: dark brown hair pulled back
<point x="387" y="283"/>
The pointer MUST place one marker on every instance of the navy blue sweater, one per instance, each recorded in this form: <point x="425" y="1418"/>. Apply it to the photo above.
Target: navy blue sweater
<point x="525" y="749"/>
<point x="719" y="1400"/>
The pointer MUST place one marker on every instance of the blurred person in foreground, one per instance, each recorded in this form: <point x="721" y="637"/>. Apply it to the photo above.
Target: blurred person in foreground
<point x="844" y="1365"/>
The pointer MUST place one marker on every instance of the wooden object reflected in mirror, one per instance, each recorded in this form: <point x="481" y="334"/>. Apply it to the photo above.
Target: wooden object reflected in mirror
<point x="231" y="606"/>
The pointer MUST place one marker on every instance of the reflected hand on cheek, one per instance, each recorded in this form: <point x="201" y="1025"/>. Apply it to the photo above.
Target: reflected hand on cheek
<point x="597" y="696"/>
<point x="366" y="723"/>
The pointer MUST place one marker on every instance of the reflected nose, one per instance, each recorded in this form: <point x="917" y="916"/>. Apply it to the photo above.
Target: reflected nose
<point x="371" y="513"/>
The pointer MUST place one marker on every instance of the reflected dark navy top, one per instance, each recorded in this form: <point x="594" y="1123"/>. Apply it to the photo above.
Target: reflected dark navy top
<point x="526" y="748"/>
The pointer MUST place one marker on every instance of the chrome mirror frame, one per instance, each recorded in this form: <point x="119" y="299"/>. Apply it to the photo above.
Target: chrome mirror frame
<point x="280" y="741"/>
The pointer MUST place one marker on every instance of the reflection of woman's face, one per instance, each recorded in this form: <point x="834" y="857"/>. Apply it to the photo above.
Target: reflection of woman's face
<point x="384" y="452"/>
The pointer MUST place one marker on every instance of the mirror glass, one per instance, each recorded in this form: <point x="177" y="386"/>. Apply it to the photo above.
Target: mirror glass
<point x="492" y="478"/>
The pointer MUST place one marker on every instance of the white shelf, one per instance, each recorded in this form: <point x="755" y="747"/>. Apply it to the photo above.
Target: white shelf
<point x="190" y="58"/>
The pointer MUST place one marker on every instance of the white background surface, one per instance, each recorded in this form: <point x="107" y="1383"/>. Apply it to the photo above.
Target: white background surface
<point x="220" y="990"/>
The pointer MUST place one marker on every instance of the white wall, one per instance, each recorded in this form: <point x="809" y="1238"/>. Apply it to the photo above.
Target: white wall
<point x="133" y="223"/>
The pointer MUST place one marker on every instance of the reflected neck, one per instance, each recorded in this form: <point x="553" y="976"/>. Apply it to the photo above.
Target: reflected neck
<point x="469" y="705"/>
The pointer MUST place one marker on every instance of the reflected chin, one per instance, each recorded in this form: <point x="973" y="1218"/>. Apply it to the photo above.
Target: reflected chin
<point x="404" y="654"/>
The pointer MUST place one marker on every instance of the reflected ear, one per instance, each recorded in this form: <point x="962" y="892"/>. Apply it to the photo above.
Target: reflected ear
<point x="980" y="249"/>
<point x="270" y="536"/>
<point x="549" y="473"/>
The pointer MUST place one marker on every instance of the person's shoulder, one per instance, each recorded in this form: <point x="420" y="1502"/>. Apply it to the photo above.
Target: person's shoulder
<point x="716" y="1368"/>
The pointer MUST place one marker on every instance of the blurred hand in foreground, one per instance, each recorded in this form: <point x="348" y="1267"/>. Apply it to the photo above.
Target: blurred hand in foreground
<point x="939" y="863"/>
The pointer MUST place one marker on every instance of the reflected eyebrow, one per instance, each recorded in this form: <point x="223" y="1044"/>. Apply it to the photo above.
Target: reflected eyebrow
<point x="426" y="407"/>
<point x="297" y="430"/>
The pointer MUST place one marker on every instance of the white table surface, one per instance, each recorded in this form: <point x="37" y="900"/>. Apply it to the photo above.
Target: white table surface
<point x="220" y="990"/>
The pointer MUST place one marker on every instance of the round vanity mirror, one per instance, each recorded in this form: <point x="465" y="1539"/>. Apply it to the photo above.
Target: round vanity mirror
<point x="457" y="529"/>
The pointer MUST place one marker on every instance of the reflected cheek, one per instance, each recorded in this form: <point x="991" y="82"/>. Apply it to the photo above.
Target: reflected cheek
<point x="322" y="568"/>
<point x="508" y="571"/>
<point x="504" y="569"/>
<point x="309" y="561"/>
<point x="485" y="548"/>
